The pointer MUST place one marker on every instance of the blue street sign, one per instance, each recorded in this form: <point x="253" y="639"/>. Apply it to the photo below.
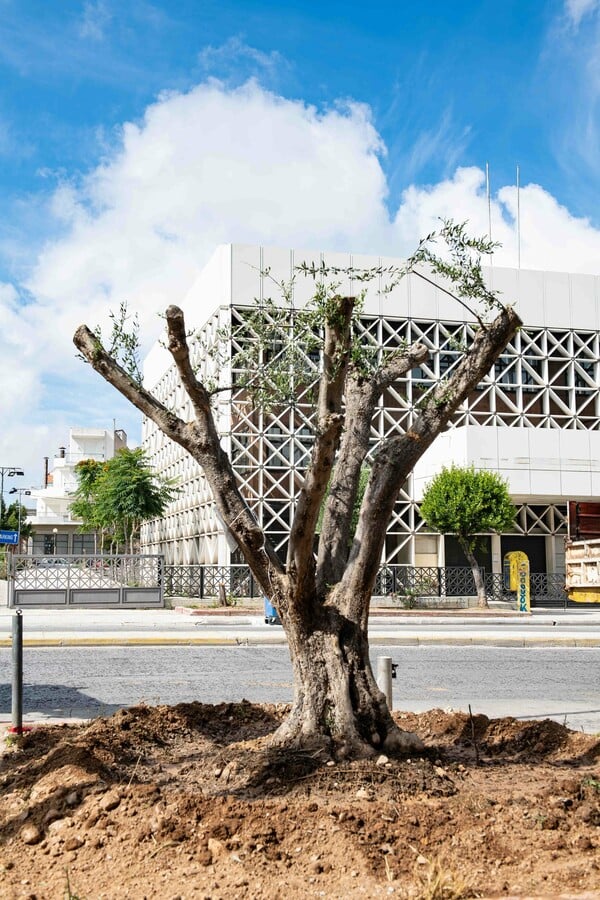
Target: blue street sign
<point x="9" y="537"/>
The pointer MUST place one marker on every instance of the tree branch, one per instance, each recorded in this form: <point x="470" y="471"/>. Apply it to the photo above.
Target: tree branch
<point x="397" y="367"/>
<point x="330" y="419"/>
<point x="440" y="287"/>
<point x="362" y="394"/>
<point x="90" y="347"/>
<point x="178" y="347"/>
<point x="201" y="440"/>
<point x="398" y="455"/>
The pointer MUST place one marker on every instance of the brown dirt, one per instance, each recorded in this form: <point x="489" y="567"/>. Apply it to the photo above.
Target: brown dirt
<point x="189" y="801"/>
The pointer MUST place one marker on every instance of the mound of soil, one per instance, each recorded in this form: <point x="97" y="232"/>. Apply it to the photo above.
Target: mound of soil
<point x="190" y="802"/>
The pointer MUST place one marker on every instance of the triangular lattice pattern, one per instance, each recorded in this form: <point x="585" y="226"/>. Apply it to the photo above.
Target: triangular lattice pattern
<point x="544" y="379"/>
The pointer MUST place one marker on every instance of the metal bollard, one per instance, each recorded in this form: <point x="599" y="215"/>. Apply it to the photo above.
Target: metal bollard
<point x="384" y="677"/>
<point x="17" y="673"/>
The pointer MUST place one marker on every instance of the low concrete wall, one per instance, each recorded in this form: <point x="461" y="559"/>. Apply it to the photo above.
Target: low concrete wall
<point x="436" y="602"/>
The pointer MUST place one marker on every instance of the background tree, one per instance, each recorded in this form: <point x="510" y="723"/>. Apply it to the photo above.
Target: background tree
<point x="129" y="493"/>
<point x="323" y="598"/>
<point x="119" y="495"/>
<point x="468" y="503"/>
<point x="83" y="505"/>
<point x="14" y="518"/>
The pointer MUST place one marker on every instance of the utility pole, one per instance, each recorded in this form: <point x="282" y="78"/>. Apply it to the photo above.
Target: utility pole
<point x="10" y="471"/>
<point x="20" y="492"/>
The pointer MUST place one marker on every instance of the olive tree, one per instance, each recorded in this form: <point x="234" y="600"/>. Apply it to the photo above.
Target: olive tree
<point x="467" y="503"/>
<point x="323" y="597"/>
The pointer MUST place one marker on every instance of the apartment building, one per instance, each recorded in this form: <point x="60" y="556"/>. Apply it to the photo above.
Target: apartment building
<point x="56" y="531"/>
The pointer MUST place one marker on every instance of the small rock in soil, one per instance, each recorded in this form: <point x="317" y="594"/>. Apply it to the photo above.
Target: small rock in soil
<point x="51" y="815"/>
<point x="215" y="847"/>
<point x="74" y="843"/>
<point x="31" y="834"/>
<point x="110" y="801"/>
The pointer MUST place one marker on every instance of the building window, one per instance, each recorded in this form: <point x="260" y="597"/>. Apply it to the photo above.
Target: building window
<point x="531" y="373"/>
<point x="84" y="543"/>
<point x="505" y="371"/>
<point x="583" y="375"/>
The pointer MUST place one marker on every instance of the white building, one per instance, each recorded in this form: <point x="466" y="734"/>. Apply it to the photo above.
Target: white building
<point x="535" y="418"/>
<point x="56" y="532"/>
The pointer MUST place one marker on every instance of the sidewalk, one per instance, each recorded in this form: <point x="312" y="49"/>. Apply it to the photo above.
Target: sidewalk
<point x="99" y="627"/>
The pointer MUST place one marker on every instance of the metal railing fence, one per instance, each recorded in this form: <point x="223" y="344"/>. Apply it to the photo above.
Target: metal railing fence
<point x="406" y="583"/>
<point x="203" y="581"/>
<point x="86" y="580"/>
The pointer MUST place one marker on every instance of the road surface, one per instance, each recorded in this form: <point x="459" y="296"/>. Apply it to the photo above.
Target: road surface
<point x="530" y="682"/>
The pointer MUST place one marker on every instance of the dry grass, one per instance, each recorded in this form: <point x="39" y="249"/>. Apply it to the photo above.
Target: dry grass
<point x="436" y="881"/>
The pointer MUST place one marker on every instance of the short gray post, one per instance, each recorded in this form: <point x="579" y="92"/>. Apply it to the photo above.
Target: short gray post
<point x="384" y="677"/>
<point x="17" y="673"/>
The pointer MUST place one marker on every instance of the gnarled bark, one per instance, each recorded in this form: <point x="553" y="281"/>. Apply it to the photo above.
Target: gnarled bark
<point x="338" y="707"/>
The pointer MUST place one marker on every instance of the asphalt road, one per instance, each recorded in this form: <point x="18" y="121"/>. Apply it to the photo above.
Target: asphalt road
<point x="562" y="683"/>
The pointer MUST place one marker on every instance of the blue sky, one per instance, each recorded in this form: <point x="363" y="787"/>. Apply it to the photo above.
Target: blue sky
<point x="447" y="83"/>
<point x="136" y="136"/>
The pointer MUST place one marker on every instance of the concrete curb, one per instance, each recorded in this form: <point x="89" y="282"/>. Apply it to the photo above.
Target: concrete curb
<point x="279" y="639"/>
<point x="142" y="642"/>
<point x="374" y="612"/>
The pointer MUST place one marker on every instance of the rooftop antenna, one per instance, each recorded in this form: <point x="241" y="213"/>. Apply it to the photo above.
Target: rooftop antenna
<point x="518" y="216"/>
<point x="489" y="203"/>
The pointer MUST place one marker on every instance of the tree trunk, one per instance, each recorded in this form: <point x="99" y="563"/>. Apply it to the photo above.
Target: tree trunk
<point x="337" y="707"/>
<point x="479" y="584"/>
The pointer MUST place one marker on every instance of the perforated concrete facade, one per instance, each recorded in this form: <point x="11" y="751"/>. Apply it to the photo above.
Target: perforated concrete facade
<point x="535" y="418"/>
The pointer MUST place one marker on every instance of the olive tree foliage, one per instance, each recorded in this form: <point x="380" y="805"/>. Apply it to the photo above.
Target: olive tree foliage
<point x="319" y="350"/>
<point x="467" y="503"/>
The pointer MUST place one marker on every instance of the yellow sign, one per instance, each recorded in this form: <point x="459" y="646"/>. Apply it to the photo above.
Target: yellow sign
<point x="516" y="578"/>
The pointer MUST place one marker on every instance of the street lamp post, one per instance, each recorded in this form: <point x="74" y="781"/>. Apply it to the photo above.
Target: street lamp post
<point x="20" y="492"/>
<point x="11" y="471"/>
<point x="54" y="533"/>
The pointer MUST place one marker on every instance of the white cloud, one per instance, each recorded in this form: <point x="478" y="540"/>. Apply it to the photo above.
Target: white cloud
<point x="95" y="19"/>
<point x="217" y="165"/>
<point x="577" y="9"/>
<point x="226" y="60"/>
<point x="551" y="238"/>
<point x="569" y="73"/>
<point x="203" y="168"/>
<point x="21" y="371"/>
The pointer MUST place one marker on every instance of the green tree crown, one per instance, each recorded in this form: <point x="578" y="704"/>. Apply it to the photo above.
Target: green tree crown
<point x="467" y="502"/>
<point x="118" y="495"/>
